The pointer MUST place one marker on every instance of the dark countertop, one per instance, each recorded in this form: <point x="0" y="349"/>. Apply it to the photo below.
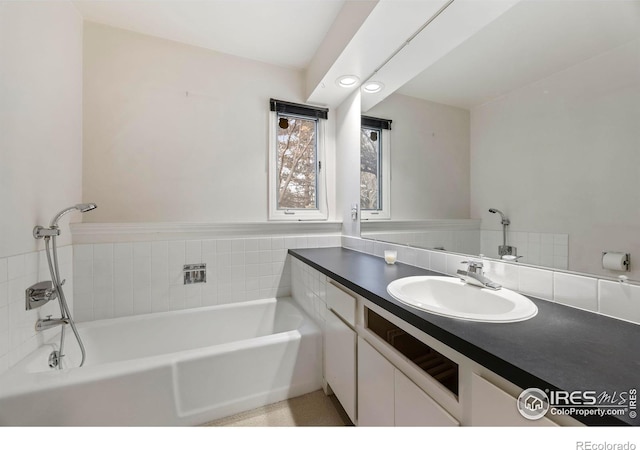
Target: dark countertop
<point x="561" y="348"/>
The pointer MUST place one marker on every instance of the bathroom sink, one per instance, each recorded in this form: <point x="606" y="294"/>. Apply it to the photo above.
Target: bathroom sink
<point x="451" y="297"/>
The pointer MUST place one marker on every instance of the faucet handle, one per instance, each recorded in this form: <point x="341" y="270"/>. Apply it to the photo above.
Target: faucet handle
<point x="474" y="266"/>
<point x="473" y="263"/>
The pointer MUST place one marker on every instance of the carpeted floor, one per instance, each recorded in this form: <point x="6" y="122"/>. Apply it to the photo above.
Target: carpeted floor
<point x="310" y="410"/>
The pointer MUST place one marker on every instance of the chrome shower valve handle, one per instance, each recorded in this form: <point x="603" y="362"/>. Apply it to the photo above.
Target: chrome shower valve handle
<point x="40" y="232"/>
<point x="39" y="294"/>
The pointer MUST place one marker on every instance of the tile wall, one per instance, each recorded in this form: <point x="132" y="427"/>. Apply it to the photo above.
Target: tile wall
<point x="538" y="249"/>
<point x="603" y="296"/>
<point x="122" y="279"/>
<point x="460" y="241"/>
<point x="309" y="290"/>
<point x="17" y="326"/>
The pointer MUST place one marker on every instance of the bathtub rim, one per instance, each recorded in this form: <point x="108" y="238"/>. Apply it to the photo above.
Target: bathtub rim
<point x="99" y="323"/>
<point x="16" y="382"/>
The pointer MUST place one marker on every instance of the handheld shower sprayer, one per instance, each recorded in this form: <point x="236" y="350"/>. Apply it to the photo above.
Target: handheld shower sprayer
<point x="49" y="235"/>
<point x="40" y="232"/>
<point x="82" y="207"/>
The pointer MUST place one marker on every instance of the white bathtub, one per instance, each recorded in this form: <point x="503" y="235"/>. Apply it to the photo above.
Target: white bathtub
<point x="178" y="368"/>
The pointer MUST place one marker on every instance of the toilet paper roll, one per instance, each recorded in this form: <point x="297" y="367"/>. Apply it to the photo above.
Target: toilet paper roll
<point x="615" y="261"/>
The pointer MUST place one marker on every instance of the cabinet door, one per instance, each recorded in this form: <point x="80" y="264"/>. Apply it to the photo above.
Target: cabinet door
<point x="340" y="362"/>
<point x="375" y="387"/>
<point x="491" y="406"/>
<point x="414" y="408"/>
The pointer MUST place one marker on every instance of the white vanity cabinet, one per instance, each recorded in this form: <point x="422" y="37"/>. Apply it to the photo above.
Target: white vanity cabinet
<point x="492" y="406"/>
<point x="387" y="397"/>
<point x="340" y="348"/>
<point x="384" y="372"/>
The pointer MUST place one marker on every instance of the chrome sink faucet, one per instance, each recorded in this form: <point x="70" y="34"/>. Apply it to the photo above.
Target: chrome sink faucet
<point x="475" y="275"/>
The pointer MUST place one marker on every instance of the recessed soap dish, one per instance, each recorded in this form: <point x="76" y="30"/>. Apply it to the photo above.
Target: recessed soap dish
<point x="195" y="273"/>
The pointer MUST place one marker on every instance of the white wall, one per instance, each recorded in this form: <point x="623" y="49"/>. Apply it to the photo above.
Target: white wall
<point x="429" y="158"/>
<point x="40" y="118"/>
<point x="561" y="156"/>
<point x="40" y="156"/>
<point x="154" y="154"/>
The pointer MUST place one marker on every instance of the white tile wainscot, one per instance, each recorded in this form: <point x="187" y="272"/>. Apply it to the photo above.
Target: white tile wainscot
<point x="535" y="282"/>
<point x="120" y="278"/>
<point x="543" y="249"/>
<point x="597" y="295"/>
<point x="577" y="291"/>
<point x="18" y="336"/>
<point x="619" y="300"/>
<point x="309" y="290"/>
<point x="460" y="236"/>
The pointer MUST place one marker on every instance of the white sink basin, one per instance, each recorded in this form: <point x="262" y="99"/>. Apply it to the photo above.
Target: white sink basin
<point x="451" y="297"/>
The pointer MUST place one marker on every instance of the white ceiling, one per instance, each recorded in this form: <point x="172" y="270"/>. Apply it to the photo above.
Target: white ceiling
<point x="531" y="41"/>
<point x="281" y="32"/>
<point x="373" y="39"/>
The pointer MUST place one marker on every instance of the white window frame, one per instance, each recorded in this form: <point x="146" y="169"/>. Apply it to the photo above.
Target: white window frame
<point x="294" y="215"/>
<point x="385" y="159"/>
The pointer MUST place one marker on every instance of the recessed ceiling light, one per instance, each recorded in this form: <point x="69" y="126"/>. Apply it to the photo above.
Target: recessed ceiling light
<point x="371" y="87"/>
<point x="347" y="81"/>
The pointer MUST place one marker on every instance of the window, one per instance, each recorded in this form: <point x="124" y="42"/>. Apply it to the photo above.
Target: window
<point x="297" y="183"/>
<point x="374" y="168"/>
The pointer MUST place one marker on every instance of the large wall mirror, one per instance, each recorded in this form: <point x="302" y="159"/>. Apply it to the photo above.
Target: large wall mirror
<point x="536" y="117"/>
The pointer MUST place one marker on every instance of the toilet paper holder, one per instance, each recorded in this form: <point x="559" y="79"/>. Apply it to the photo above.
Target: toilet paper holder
<point x="616" y="261"/>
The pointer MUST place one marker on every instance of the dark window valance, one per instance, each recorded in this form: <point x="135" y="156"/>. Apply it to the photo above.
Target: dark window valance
<point x="374" y="122"/>
<point x="298" y="109"/>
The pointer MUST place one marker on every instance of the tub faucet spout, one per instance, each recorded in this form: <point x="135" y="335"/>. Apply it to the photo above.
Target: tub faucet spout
<point x="45" y="324"/>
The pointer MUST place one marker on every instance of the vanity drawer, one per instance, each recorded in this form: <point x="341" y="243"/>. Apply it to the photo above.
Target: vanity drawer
<point x="343" y="303"/>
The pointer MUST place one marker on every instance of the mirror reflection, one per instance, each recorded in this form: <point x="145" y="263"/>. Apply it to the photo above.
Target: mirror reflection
<point x="522" y="143"/>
